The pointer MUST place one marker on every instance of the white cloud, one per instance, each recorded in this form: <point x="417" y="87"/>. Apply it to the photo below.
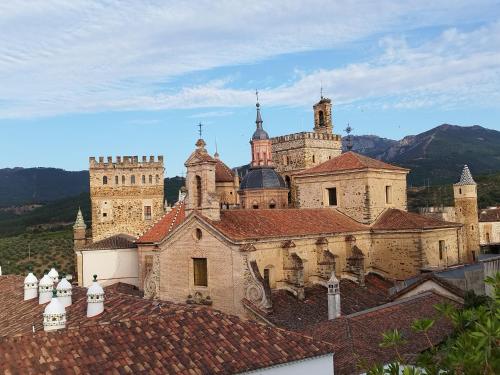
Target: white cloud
<point x="61" y="57"/>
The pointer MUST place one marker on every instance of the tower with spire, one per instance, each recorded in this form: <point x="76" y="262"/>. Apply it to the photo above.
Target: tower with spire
<point x="79" y="231"/>
<point x="465" y="196"/>
<point x="261" y="144"/>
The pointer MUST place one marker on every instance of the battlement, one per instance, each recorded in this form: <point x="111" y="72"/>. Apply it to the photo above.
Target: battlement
<point x="306" y="135"/>
<point x="125" y="162"/>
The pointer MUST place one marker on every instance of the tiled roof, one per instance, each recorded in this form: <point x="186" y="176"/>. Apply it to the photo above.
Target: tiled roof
<point x="135" y="335"/>
<point x="165" y="225"/>
<point x="119" y="241"/>
<point x="394" y="219"/>
<point x="466" y="177"/>
<point x="290" y="313"/>
<point x="489" y="215"/>
<point x="349" y="161"/>
<point x="249" y="224"/>
<point x="429" y="277"/>
<point x="356" y="337"/>
<point x="223" y="173"/>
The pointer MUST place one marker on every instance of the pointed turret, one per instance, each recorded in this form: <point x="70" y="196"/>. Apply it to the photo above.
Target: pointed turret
<point x="79" y="230"/>
<point x="466" y="212"/>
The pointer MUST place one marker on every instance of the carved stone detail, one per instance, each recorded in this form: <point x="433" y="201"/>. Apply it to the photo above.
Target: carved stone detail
<point x="257" y="291"/>
<point x="152" y="280"/>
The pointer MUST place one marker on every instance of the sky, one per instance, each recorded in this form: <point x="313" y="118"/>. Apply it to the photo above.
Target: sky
<point x="97" y="78"/>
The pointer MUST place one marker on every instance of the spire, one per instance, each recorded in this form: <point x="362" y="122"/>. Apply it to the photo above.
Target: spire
<point x="259" y="133"/>
<point x="79" y="222"/>
<point x="466" y="177"/>
<point x="216" y="155"/>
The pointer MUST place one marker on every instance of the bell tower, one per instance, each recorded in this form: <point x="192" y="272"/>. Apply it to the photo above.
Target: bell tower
<point x="200" y="181"/>
<point x="323" y="116"/>
<point x="465" y="196"/>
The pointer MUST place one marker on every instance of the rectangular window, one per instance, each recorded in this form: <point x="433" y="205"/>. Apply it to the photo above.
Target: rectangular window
<point x="116" y="180"/>
<point x="147" y="212"/>
<point x="200" y="271"/>
<point x="266" y="277"/>
<point x="441" y="249"/>
<point x="332" y="196"/>
<point x="388" y="194"/>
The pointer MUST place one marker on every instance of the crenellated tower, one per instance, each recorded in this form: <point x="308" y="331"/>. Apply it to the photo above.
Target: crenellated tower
<point x="465" y="195"/>
<point x="126" y="195"/>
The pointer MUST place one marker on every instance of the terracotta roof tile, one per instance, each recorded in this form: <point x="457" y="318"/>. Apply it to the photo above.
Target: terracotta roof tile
<point x="394" y="219"/>
<point x="249" y="224"/>
<point x="119" y="241"/>
<point x="165" y="225"/>
<point x="489" y="215"/>
<point x="138" y="335"/>
<point x="429" y="277"/>
<point x="223" y="173"/>
<point x="356" y="337"/>
<point x="290" y="313"/>
<point x="350" y="161"/>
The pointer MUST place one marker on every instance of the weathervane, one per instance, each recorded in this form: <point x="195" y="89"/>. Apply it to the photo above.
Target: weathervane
<point x="199" y="130"/>
<point x="321" y="90"/>
<point x="257" y="95"/>
<point x="348" y="130"/>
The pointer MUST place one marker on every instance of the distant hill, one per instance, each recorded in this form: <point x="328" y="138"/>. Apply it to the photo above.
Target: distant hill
<point x="437" y="155"/>
<point x="20" y="186"/>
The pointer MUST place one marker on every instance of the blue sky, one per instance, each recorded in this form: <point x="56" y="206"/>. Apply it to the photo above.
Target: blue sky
<point x="98" y="78"/>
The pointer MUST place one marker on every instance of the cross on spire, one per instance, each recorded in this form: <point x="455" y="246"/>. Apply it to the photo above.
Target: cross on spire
<point x="257" y="95"/>
<point x="321" y="90"/>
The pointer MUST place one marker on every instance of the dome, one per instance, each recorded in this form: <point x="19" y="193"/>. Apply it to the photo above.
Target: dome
<point x="64" y="284"/>
<point x="260" y="134"/>
<point x="53" y="274"/>
<point x="54" y="307"/>
<point x="262" y="178"/>
<point x="46" y="281"/>
<point x="30" y="279"/>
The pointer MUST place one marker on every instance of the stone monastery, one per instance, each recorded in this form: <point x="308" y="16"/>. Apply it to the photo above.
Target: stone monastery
<point x="303" y="212"/>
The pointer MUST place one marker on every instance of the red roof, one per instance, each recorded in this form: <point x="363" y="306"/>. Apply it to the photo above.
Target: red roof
<point x="165" y="225"/>
<point x="350" y="161"/>
<point x="135" y="335"/>
<point x="223" y="173"/>
<point x="394" y="219"/>
<point x="489" y="215"/>
<point x="356" y="337"/>
<point x="250" y="224"/>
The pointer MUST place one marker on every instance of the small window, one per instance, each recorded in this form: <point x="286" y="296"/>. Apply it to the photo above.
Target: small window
<point x="200" y="271"/>
<point x="199" y="234"/>
<point x="116" y="180"/>
<point x="332" y="196"/>
<point x="105" y="180"/>
<point x="132" y="180"/>
<point x="267" y="278"/>
<point x="272" y="205"/>
<point x="287" y="160"/>
<point x="147" y="213"/>
<point x="441" y="249"/>
<point x="255" y="206"/>
<point x="123" y="180"/>
<point x="388" y="194"/>
<point x="143" y="179"/>
<point x="314" y="159"/>
<point x="150" y="179"/>
<point x="459" y="190"/>
<point x="157" y="179"/>
<point x="321" y="118"/>
<point x="104" y="214"/>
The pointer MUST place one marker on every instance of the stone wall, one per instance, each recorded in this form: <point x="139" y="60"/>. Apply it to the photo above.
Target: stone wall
<point x="466" y="212"/>
<point x="360" y="194"/>
<point x="263" y="198"/>
<point x="489" y="232"/>
<point x="119" y="192"/>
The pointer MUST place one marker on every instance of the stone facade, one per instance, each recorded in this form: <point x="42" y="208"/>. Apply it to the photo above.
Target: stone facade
<point x="126" y="195"/>
<point x="263" y="198"/>
<point x="360" y="194"/>
<point x="489" y="232"/>
<point x="466" y="213"/>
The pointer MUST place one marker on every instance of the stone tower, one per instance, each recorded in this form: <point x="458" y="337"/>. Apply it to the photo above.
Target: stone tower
<point x="79" y="231"/>
<point x="126" y="195"/>
<point x="261" y="144"/>
<point x="465" y="195"/>
<point x="200" y="181"/>
<point x="323" y="116"/>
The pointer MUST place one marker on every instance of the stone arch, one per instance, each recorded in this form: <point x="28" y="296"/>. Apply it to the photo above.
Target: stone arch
<point x="199" y="191"/>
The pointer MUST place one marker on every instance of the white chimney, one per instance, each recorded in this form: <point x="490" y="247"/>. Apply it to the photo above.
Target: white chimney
<point x="54" y="275"/>
<point x="54" y="315"/>
<point x="333" y="297"/>
<point x="45" y="287"/>
<point x="95" y="299"/>
<point x="64" y="292"/>
<point x="30" y="286"/>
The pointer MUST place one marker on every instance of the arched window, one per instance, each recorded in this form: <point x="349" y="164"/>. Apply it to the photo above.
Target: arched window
<point x="143" y="179"/>
<point x="255" y="205"/>
<point x="123" y="180"/>
<point x="105" y="180"/>
<point x="314" y="159"/>
<point x="150" y="179"/>
<point x="116" y="180"/>
<point x="272" y="204"/>
<point x="157" y="179"/>
<point x="321" y="118"/>
<point x="132" y="180"/>
<point x="288" y="184"/>
<point x="198" y="191"/>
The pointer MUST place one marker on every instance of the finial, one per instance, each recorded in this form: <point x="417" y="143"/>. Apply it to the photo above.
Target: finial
<point x="348" y="130"/>
<point x="54" y="293"/>
<point x="257" y="96"/>
<point x="321" y="90"/>
<point x="216" y="155"/>
<point x="95" y="278"/>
